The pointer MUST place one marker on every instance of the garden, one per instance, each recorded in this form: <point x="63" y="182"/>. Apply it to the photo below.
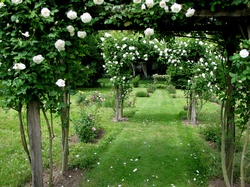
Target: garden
<point x="99" y="93"/>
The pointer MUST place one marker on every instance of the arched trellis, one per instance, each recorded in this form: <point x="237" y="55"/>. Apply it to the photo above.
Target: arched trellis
<point x="231" y="26"/>
<point x="117" y="15"/>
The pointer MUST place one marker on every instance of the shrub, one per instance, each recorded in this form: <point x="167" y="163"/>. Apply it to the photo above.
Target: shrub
<point x="212" y="133"/>
<point x="136" y="81"/>
<point x="109" y="101"/>
<point x="151" y="88"/>
<point x="142" y="94"/>
<point x="87" y="128"/>
<point x="171" y="89"/>
<point x="161" y="86"/>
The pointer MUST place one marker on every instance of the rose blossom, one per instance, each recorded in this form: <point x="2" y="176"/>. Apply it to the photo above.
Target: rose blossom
<point x="150" y="3"/>
<point x="38" y="59"/>
<point x="162" y="4"/>
<point x="149" y="32"/>
<point x="45" y="12"/>
<point x="72" y="15"/>
<point x="176" y="8"/>
<point x="2" y="5"/>
<point x="190" y="12"/>
<point x="26" y="34"/>
<point x="81" y="34"/>
<point x="143" y="7"/>
<point x="60" y="45"/>
<point x="19" y="66"/>
<point x="86" y="17"/>
<point x="60" y="83"/>
<point x="16" y="1"/>
<point x="136" y="1"/>
<point x="70" y="28"/>
<point x="244" y="53"/>
<point x="98" y="2"/>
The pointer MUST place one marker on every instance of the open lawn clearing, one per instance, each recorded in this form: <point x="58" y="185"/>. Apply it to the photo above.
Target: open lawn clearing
<point x="154" y="149"/>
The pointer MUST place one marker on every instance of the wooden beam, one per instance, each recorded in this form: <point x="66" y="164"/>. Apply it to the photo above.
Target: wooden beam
<point x="236" y="13"/>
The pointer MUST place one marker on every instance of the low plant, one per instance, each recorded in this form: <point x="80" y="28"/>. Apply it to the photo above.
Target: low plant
<point x="171" y="89"/>
<point x="212" y="133"/>
<point x="136" y="81"/>
<point x="87" y="128"/>
<point x="161" y="86"/>
<point x="142" y="94"/>
<point x="151" y="88"/>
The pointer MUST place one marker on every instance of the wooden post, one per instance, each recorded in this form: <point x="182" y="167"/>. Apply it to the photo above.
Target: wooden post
<point x="35" y="143"/>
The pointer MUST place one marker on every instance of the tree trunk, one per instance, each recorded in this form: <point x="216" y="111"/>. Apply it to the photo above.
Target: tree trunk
<point x="229" y="110"/>
<point x="22" y="133"/>
<point x="65" y="131"/>
<point x="242" y="174"/>
<point x="118" y="108"/>
<point x="133" y="69"/>
<point x="144" y="69"/>
<point x="192" y="109"/>
<point x="35" y="143"/>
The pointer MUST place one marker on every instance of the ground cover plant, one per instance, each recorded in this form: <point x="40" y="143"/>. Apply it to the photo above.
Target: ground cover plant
<point x="152" y="148"/>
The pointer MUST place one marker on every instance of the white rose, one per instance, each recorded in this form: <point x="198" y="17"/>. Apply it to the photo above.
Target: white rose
<point x="72" y="33"/>
<point x="60" y="45"/>
<point x="150" y="3"/>
<point x="86" y="17"/>
<point x="2" y="5"/>
<point x="16" y="1"/>
<point x="149" y="32"/>
<point x="176" y="8"/>
<point x="19" y="66"/>
<point x="98" y="2"/>
<point x="81" y="34"/>
<point x="26" y="34"/>
<point x="70" y="28"/>
<point x="60" y="83"/>
<point x="166" y="9"/>
<point x="45" y="12"/>
<point x="136" y="1"/>
<point x="190" y="12"/>
<point x="244" y="53"/>
<point x="143" y="7"/>
<point x="38" y="59"/>
<point x="72" y="15"/>
<point x="162" y="4"/>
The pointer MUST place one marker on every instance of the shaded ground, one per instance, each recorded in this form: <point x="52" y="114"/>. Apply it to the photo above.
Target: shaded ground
<point x="72" y="178"/>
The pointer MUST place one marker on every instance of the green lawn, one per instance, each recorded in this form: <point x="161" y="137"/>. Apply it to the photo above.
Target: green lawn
<point x="152" y="148"/>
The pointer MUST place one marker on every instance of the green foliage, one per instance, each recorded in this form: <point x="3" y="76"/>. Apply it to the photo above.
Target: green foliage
<point x="87" y="128"/>
<point x="212" y="133"/>
<point x="151" y="88"/>
<point x="109" y="101"/>
<point x="136" y="81"/>
<point x="171" y="89"/>
<point x="161" y="86"/>
<point x="142" y="94"/>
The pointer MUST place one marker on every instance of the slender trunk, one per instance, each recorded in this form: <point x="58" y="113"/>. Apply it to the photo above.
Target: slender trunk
<point x="35" y="143"/>
<point x="22" y="132"/>
<point x="118" y="108"/>
<point x="51" y="137"/>
<point x="244" y="151"/>
<point x="144" y="69"/>
<point x="192" y="109"/>
<point x="223" y="148"/>
<point x="65" y="131"/>
<point x="133" y="69"/>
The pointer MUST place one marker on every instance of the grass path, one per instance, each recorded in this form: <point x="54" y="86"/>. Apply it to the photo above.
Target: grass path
<point x="154" y="149"/>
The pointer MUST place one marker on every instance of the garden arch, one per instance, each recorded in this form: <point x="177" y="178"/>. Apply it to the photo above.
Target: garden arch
<point x="228" y="20"/>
